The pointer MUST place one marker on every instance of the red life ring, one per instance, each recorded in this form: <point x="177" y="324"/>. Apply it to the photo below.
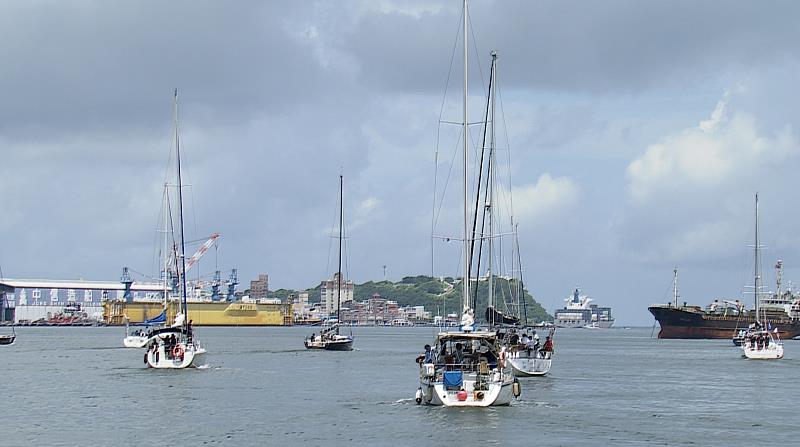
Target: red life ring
<point x="178" y="351"/>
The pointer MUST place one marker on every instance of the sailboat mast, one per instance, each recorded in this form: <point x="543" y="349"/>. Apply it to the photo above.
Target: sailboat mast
<point x="490" y="205"/>
<point x="465" y="136"/>
<point x="339" y="275"/>
<point x="180" y="217"/>
<point x="166" y="243"/>
<point x="755" y="266"/>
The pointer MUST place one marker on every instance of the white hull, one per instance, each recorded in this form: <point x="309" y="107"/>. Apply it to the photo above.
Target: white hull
<point x="761" y="345"/>
<point x="604" y="324"/>
<point x="135" y="341"/>
<point x="193" y="356"/>
<point x="529" y="366"/>
<point x="772" y="352"/>
<point x="499" y="392"/>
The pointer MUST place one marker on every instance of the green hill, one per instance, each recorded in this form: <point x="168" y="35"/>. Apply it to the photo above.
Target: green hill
<point x="437" y="295"/>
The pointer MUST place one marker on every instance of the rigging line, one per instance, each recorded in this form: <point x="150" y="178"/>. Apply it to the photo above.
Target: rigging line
<point x="447" y="181"/>
<point x="477" y="57"/>
<point x="330" y="241"/>
<point x="508" y="154"/>
<point x="478" y="194"/>
<point x="438" y="139"/>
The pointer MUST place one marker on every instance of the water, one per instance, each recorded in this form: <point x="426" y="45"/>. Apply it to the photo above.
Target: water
<point x="74" y="386"/>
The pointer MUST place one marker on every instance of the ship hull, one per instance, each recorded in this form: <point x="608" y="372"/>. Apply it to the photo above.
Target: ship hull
<point x="678" y="322"/>
<point x="201" y="313"/>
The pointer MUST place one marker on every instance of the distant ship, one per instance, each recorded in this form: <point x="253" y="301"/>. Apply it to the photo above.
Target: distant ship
<point x="580" y="313"/>
<point x="724" y="318"/>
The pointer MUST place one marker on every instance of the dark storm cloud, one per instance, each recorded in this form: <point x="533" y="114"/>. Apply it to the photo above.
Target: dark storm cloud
<point x="593" y="46"/>
<point x="99" y="65"/>
<point x="278" y="98"/>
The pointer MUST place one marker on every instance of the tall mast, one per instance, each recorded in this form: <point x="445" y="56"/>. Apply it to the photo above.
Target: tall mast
<point x="675" y="285"/>
<point x="465" y="135"/>
<point x="166" y="243"/>
<point x="755" y="265"/>
<point x="339" y="275"/>
<point x="492" y="171"/>
<point x="182" y="254"/>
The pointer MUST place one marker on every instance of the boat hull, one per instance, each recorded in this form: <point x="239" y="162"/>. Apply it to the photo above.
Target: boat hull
<point x="773" y="352"/>
<point x="339" y="345"/>
<point x="135" y="341"/>
<point x="529" y="365"/>
<point x="683" y="322"/>
<point x="192" y="357"/>
<point x="499" y="392"/>
<point x="7" y="339"/>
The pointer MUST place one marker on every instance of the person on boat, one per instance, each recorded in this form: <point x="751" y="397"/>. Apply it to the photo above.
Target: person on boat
<point x="514" y="339"/>
<point x="428" y="354"/>
<point x="459" y="353"/>
<point x="189" y="331"/>
<point x="548" y="347"/>
<point x="525" y="340"/>
<point x="313" y="334"/>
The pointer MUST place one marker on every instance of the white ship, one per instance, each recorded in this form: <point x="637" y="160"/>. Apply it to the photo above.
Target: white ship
<point x="579" y="312"/>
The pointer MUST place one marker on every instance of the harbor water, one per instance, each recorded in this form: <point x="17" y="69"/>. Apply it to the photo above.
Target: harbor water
<point x="77" y="386"/>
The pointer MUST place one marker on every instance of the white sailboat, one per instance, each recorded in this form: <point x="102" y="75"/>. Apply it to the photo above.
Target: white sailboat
<point x="759" y="343"/>
<point x="525" y="359"/>
<point x="6" y="339"/>
<point x="175" y="347"/>
<point x="331" y="338"/>
<point x="466" y="368"/>
<point x="139" y="335"/>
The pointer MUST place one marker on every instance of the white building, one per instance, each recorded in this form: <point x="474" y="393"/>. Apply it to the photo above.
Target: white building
<point x="327" y="293"/>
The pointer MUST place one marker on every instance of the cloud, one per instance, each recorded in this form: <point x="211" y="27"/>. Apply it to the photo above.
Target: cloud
<point x="547" y="201"/>
<point x="691" y="193"/>
<point x="717" y="152"/>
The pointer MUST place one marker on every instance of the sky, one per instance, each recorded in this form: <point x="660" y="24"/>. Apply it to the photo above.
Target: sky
<point x="638" y="134"/>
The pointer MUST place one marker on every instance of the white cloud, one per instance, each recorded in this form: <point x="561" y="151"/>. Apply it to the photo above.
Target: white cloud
<point x="717" y="152"/>
<point x="546" y="201"/>
<point x="364" y="212"/>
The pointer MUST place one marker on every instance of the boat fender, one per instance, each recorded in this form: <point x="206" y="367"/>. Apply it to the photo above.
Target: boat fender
<point x="418" y="397"/>
<point x="479" y="395"/>
<point x="462" y="395"/>
<point x="145" y="358"/>
<point x="516" y="389"/>
<point x="178" y="351"/>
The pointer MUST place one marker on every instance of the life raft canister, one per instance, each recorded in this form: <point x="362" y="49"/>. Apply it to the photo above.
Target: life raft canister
<point x="503" y="355"/>
<point x="178" y="351"/>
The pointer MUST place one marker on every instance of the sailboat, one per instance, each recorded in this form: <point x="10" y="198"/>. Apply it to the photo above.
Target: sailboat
<point x="331" y="338"/>
<point x="468" y="367"/>
<point x="6" y="339"/>
<point x="759" y="342"/>
<point x="139" y="337"/>
<point x="175" y="347"/>
<point x="525" y="359"/>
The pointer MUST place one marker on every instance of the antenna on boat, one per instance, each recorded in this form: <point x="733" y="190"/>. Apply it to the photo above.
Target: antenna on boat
<point x="675" y="285"/>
